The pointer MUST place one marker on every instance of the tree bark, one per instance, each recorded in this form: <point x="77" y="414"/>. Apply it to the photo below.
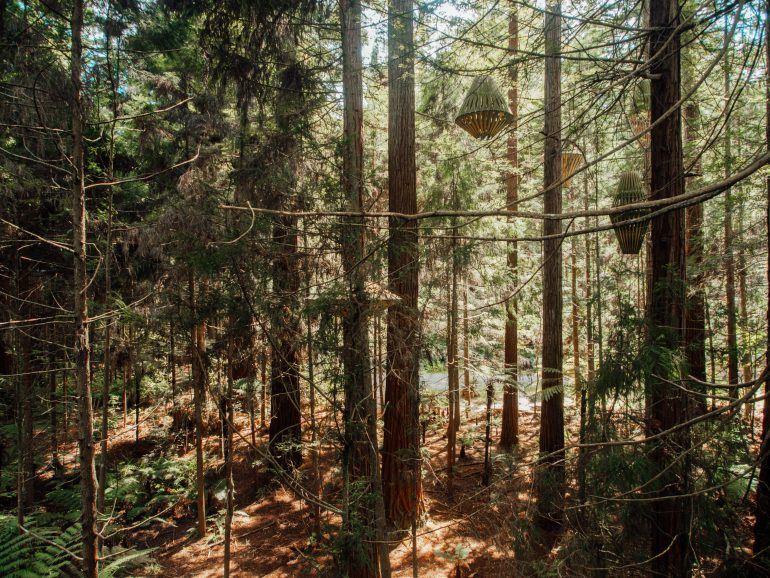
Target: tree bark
<point x="82" y="344"/>
<point x="27" y="432"/>
<point x="198" y="351"/>
<point x="53" y="405"/>
<point x="747" y="373"/>
<point x="509" y="435"/>
<point x="732" y="337"/>
<point x="402" y="484"/>
<point x="577" y="377"/>
<point x="695" y="327"/>
<point x="230" y="420"/>
<point x="762" y="513"/>
<point x="362" y="555"/>
<point x="285" y="432"/>
<point x="586" y="402"/>
<point x="550" y="477"/>
<point x="466" y="353"/>
<point x="667" y="403"/>
<point x="453" y="373"/>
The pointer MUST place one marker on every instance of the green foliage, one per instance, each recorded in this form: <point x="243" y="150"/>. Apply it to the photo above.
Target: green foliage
<point x="144" y="488"/>
<point x="27" y="555"/>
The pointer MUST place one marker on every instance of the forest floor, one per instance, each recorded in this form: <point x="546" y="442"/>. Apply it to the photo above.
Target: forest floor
<point x="472" y="534"/>
<point x="480" y="531"/>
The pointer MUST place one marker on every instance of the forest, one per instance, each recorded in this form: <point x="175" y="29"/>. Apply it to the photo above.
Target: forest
<point x="409" y="288"/>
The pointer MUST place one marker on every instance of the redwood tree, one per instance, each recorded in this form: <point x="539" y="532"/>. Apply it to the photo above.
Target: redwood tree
<point x="510" y="427"/>
<point x="667" y="403"/>
<point x="285" y="422"/>
<point x="360" y="457"/>
<point x="401" y="481"/>
<point x="550" y="478"/>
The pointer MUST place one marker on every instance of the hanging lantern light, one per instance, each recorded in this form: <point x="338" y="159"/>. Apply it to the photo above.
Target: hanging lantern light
<point x="569" y="164"/>
<point x="630" y="190"/>
<point x="484" y="112"/>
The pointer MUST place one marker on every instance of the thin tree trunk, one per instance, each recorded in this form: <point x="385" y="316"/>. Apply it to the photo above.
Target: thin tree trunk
<point x="172" y="359"/>
<point x="65" y="412"/>
<point x="138" y="375"/>
<point x="509" y="435"/>
<point x="362" y="558"/>
<point x="487" y="474"/>
<point x="453" y="374"/>
<point x="264" y="386"/>
<point x="82" y="345"/>
<point x="667" y="404"/>
<point x="732" y="338"/>
<point x="466" y="353"/>
<point x="550" y="481"/>
<point x="107" y="383"/>
<point x="401" y="479"/>
<point x="695" y="329"/>
<point x="53" y="405"/>
<point x="126" y="372"/>
<point x="584" y="401"/>
<point x="748" y="374"/>
<point x="28" y="424"/>
<point x="230" y="420"/>
<point x="107" y="355"/>
<point x="198" y="339"/>
<point x="762" y="513"/>
<point x="578" y="380"/>
<point x="313" y="428"/>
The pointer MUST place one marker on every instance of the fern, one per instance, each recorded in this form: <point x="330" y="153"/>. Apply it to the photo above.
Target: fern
<point x="42" y="553"/>
<point x="27" y="556"/>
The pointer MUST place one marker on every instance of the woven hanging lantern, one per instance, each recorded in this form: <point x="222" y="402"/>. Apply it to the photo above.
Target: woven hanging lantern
<point x="484" y="112"/>
<point x="630" y="190"/>
<point x="569" y="164"/>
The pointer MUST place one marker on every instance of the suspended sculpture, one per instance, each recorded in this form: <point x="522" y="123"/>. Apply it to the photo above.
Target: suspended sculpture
<point x="630" y="236"/>
<point x="484" y="112"/>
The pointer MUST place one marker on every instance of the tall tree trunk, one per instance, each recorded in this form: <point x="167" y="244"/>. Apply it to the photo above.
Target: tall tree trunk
<point x="172" y="358"/>
<point x="762" y="513"/>
<point x="732" y="338"/>
<point x="198" y="351"/>
<point x="28" y="422"/>
<point x="53" y="405"/>
<point x="402" y="484"/>
<point x="363" y="555"/>
<point x="126" y="378"/>
<point x="82" y="345"/>
<point x="747" y="371"/>
<point x="108" y="370"/>
<point x="466" y="353"/>
<point x="230" y="421"/>
<point x="107" y="377"/>
<point x="264" y="386"/>
<point x="453" y="373"/>
<point x="550" y="474"/>
<point x="285" y="432"/>
<point x="667" y="403"/>
<point x="695" y="321"/>
<point x="314" y="451"/>
<point x="509" y="435"/>
<point x="577" y="377"/>
<point x="585" y="402"/>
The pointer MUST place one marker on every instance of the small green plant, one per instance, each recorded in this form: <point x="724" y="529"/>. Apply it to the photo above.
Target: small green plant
<point x="456" y="556"/>
<point x="144" y="488"/>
